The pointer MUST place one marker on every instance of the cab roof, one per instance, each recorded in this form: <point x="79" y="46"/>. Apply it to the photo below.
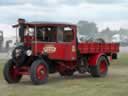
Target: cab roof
<point x="44" y="23"/>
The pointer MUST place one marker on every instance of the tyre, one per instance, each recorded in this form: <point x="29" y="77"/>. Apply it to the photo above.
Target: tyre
<point x="39" y="72"/>
<point x="101" y="68"/>
<point x="19" y="55"/>
<point x="10" y="72"/>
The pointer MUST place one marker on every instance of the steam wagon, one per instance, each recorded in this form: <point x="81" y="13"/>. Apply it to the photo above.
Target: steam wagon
<point x="48" y="47"/>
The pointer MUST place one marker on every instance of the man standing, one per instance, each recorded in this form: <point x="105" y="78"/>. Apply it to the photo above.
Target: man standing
<point x="21" y="29"/>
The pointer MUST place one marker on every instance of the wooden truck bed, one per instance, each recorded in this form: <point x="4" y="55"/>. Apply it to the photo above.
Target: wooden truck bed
<point x="86" y="48"/>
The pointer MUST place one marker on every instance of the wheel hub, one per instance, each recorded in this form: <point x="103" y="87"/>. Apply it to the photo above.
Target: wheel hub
<point x="103" y="67"/>
<point x="41" y="72"/>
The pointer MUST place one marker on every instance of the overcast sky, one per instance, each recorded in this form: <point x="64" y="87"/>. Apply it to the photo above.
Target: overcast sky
<point x="106" y="13"/>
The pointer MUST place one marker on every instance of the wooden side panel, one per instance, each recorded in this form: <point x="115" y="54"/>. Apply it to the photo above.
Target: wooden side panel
<point x="98" y="48"/>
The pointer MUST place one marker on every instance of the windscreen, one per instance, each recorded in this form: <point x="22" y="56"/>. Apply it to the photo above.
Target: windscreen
<point x="54" y="34"/>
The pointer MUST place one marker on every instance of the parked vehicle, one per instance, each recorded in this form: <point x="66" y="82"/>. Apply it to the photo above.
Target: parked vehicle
<point x="49" y="47"/>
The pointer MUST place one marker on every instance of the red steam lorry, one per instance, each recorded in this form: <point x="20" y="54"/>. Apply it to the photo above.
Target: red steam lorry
<point x="47" y="47"/>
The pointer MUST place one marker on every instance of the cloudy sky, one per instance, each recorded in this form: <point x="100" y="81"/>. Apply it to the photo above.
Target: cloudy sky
<point x="106" y="13"/>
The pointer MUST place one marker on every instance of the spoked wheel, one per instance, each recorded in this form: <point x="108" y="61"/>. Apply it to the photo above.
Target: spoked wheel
<point x="101" y="68"/>
<point x="10" y="72"/>
<point x="39" y="72"/>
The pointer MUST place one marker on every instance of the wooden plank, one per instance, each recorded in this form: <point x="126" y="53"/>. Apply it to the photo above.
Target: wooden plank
<point x="98" y="47"/>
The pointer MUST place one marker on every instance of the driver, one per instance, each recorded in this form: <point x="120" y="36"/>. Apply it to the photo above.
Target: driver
<point x="21" y="29"/>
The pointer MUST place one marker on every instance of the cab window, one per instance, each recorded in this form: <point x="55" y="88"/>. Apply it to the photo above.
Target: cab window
<point x="55" y="34"/>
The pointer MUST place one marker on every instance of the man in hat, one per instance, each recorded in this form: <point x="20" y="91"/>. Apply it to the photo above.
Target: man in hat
<point x="21" y="29"/>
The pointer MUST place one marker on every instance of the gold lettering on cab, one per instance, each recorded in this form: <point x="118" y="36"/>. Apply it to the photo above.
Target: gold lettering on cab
<point x="49" y="49"/>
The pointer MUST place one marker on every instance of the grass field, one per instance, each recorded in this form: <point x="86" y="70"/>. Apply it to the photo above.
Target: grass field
<point x="115" y="84"/>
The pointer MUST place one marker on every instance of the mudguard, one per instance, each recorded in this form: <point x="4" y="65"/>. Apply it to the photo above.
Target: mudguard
<point x="93" y="59"/>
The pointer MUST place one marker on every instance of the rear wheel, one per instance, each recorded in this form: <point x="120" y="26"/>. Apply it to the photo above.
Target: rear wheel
<point x="39" y="72"/>
<point x="101" y="68"/>
<point x="10" y="72"/>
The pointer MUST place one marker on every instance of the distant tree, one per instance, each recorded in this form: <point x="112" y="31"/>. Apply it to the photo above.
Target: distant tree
<point x="87" y="28"/>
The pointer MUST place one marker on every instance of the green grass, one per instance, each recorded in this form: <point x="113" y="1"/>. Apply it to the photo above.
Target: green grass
<point x="115" y="84"/>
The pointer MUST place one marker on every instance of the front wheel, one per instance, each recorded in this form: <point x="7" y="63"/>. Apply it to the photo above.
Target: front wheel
<point x="10" y="72"/>
<point x="39" y="72"/>
<point x="101" y="68"/>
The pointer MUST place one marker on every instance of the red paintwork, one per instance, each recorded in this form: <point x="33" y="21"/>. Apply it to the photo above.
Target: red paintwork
<point x="93" y="58"/>
<point x="13" y="72"/>
<point x="28" y="40"/>
<point x="65" y="53"/>
<point x="63" y="50"/>
<point x="91" y="48"/>
<point x="23" y="70"/>
<point x="103" y="67"/>
<point x="41" y="72"/>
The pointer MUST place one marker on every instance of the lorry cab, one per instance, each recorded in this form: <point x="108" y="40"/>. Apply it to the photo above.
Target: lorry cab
<point x="56" y="40"/>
